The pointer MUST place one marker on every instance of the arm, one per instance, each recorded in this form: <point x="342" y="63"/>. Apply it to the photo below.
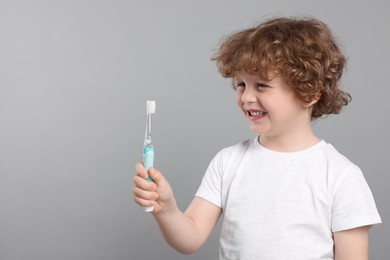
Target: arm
<point x="186" y="232"/>
<point x="351" y="244"/>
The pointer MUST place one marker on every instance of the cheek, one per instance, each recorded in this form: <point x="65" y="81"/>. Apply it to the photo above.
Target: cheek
<point x="239" y="102"/>
<point x="275" y="103"/>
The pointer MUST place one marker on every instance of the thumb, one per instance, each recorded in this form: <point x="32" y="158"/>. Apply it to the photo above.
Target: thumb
<point x="157" y="177"/>
<point x="163" y="188"/>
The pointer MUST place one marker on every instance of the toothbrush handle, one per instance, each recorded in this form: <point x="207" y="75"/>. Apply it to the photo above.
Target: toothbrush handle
<point x="148" y="162"/>
<point x="148" y="157"/>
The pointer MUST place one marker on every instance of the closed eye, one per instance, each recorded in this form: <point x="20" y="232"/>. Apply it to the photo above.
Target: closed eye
<point x="261" y="85"/>
<point x="238" y="85"/>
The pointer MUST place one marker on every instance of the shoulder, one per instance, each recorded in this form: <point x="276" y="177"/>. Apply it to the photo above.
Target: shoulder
<point x="336" y="160"/>
<point x="239" y="147"/>
<point x="230" y="156"/>
<point x="236" y="150"/>
<point x="342" y="171"/>
<point x="334" y="167"/>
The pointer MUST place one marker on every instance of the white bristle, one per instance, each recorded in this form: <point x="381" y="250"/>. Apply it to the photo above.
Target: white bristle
<point x="150" y="107"/>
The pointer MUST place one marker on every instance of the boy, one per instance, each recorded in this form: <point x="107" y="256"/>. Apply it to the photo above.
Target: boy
<point x="286" y="194"/>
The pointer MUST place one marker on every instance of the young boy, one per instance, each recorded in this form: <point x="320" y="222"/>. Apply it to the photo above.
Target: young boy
<point x="286" y="194"/>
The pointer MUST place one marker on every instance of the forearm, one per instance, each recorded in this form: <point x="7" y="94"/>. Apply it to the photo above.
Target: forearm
<point x="185" y="232"/>
<point x="179" y="230"/>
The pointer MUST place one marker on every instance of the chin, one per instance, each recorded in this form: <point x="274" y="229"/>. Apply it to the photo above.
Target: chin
<point x="256" y="130"/>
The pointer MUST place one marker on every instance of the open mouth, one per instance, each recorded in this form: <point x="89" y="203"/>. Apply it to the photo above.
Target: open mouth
<point x="255" y="114"/>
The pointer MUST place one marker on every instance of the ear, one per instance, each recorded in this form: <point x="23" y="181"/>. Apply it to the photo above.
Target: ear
<point x="311" y="100"/>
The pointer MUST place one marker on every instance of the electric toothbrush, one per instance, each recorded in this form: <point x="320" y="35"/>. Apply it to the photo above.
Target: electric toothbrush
<point x="148" y="154"/>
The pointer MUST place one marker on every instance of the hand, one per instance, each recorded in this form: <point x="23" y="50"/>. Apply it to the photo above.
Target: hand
<point x="158" y="193"/>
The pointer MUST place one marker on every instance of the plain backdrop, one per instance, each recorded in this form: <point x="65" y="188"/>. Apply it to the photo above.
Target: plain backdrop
<point x="74" y="79"/>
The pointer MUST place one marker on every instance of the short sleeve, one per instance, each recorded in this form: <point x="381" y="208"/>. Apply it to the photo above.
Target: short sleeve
<point x="210" y="187"/>
<point x="353" y="203"/>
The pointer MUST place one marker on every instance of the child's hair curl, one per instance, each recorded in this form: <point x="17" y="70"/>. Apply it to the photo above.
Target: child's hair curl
<point x="302" y="51"/>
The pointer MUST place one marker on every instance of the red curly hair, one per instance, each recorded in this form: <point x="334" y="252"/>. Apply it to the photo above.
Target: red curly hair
<point x="302" y="51"/>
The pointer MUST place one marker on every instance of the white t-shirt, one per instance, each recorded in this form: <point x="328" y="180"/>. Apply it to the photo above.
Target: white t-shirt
<point x="285" y="205"/>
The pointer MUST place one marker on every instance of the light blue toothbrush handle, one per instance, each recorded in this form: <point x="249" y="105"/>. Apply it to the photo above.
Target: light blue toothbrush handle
<point x="148" y="159"/>
<point x="148" y="162"/>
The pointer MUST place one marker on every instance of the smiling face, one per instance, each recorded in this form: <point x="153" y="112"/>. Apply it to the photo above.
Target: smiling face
<point x="271" y="107"/>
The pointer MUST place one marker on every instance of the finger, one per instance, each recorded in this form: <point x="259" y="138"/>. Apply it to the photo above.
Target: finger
<point x="142" y="183"/>
<point x="143" y="202"/>
<point x="141" y="171"/>
<point x="144" y="194"/>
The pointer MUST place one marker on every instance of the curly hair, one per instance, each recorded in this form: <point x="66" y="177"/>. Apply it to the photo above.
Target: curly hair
<point x="302" y="51"/>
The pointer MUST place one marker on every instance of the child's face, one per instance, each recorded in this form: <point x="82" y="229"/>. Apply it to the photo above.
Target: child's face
<point x="271" y="107"/>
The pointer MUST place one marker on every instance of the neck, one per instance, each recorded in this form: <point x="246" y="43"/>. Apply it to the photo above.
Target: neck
<point x="292" y="142"/>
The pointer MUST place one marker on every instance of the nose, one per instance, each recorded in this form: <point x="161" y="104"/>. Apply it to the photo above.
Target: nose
<point x="248" y="95"/>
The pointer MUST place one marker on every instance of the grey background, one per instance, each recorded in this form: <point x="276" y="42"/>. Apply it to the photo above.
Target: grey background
<point x="74" y="79"/>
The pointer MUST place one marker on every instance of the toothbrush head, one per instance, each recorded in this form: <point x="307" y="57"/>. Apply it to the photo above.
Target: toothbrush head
<point x="150" y="107"/>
